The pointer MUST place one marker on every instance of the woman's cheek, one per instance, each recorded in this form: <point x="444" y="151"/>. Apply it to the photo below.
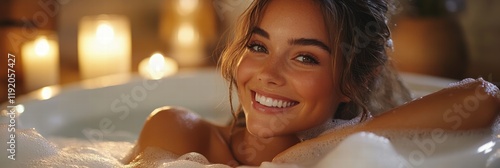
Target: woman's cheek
<point x="245" y="70"/>
<point x="312" y="85"/>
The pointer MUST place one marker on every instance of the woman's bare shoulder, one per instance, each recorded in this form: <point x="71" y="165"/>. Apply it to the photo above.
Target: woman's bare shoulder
<point x="170" y="114"/>
<point x="180" y="131"/>
<point x="174" y="125"/>
<point x="181" y="119"/>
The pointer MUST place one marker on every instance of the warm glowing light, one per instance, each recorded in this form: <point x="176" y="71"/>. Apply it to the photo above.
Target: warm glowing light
<point x="20" y="108"/>
<point x="187" y="6"/>
<point x="104" y="33"/>
<point x="157" y="66"/>
<point x="104" y="45"/>
<point x="171" y="66"/>
<point x="46" y="93"/>
<point x="157" y="63"/>
<point x="486" y="148"/>
<point x="42" y="47"/>
<point x="186" y="34"/>
<point x="40" y="58"/>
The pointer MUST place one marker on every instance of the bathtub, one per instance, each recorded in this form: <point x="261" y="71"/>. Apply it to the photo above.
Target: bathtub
<point x="114" y="108"/>
<point x="121" y="103"/>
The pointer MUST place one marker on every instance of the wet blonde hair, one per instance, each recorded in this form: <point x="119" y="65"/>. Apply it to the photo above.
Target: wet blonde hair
<point x="359" y="31"/>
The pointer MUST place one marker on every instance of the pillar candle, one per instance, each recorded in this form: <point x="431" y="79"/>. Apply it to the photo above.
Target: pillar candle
<point x="104" y="45"/>
<point x="40" y="59"/>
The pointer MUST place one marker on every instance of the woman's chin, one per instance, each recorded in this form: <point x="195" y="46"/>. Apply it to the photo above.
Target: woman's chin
<point x="261" y="131"/>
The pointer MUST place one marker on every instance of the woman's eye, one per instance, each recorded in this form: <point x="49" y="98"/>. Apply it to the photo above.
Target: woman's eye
<point x="306" y="59"/>
<point x="257" y="48"/>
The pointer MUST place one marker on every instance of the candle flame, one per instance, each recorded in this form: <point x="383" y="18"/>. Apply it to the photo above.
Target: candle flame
<point x="42" y="47"/>
<point x="157" y="66"/>
<point x="46" y="93"/>
<point x="20" y="108"/>
<point x="105" y="33"/>
<point x="157" y="63"/>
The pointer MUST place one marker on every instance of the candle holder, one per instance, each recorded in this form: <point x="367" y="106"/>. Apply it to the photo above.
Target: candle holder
<point x="104" y="45"/>
<point x="40" y="58"/>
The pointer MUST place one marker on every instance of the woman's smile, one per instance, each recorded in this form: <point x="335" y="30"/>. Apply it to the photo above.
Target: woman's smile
<point x="271" y="103"/>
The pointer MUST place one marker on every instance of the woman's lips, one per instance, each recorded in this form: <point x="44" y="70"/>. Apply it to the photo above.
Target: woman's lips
<point x="271" y="103"/>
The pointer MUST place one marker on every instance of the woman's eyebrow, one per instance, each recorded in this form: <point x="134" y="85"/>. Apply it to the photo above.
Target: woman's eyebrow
<point x="313" y="42"/>
<point x="300" y="41"/>
<point x="259" y="31"/>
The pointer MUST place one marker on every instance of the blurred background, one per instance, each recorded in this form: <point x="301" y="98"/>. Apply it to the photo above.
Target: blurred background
<point x="67" y="41"/>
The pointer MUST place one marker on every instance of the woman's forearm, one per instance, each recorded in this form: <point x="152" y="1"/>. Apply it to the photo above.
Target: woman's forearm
<point x="472" y="104"/>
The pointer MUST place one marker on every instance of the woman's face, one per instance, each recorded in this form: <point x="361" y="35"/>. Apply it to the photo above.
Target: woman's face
<point x="285" y="79"/>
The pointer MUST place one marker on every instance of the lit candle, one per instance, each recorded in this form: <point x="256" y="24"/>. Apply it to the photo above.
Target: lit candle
<point x="188" y="48"/>
<point x="157" y="66"/>
<point x="104" y="45"/>
<point x="40" y="59"/>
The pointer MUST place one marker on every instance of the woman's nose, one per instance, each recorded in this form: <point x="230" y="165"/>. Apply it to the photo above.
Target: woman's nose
<point x="272" y="72"/>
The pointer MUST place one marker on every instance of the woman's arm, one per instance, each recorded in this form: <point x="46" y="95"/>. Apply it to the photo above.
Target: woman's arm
<point x="470" y="104"/>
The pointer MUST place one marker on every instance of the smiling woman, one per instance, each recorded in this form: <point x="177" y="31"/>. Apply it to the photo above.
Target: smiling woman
<point x="289" y="58"/>
<point x="292" y="66"/>
<point x="307" y="72"/>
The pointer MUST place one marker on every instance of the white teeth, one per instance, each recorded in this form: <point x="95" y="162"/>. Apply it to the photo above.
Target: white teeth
<point x="270" y="102"/>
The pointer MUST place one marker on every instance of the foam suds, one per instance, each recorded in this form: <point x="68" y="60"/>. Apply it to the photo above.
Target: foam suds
<point x="408" y="148"/>
<point x="347" y="154"/>
<point x="464" y="83"/>
<point x="34" y="146"/>
<point x="33" y="150"/>
<point x="155" y="157"/>
<point x="411" y="148"/>
<point x="486" y="86"/>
